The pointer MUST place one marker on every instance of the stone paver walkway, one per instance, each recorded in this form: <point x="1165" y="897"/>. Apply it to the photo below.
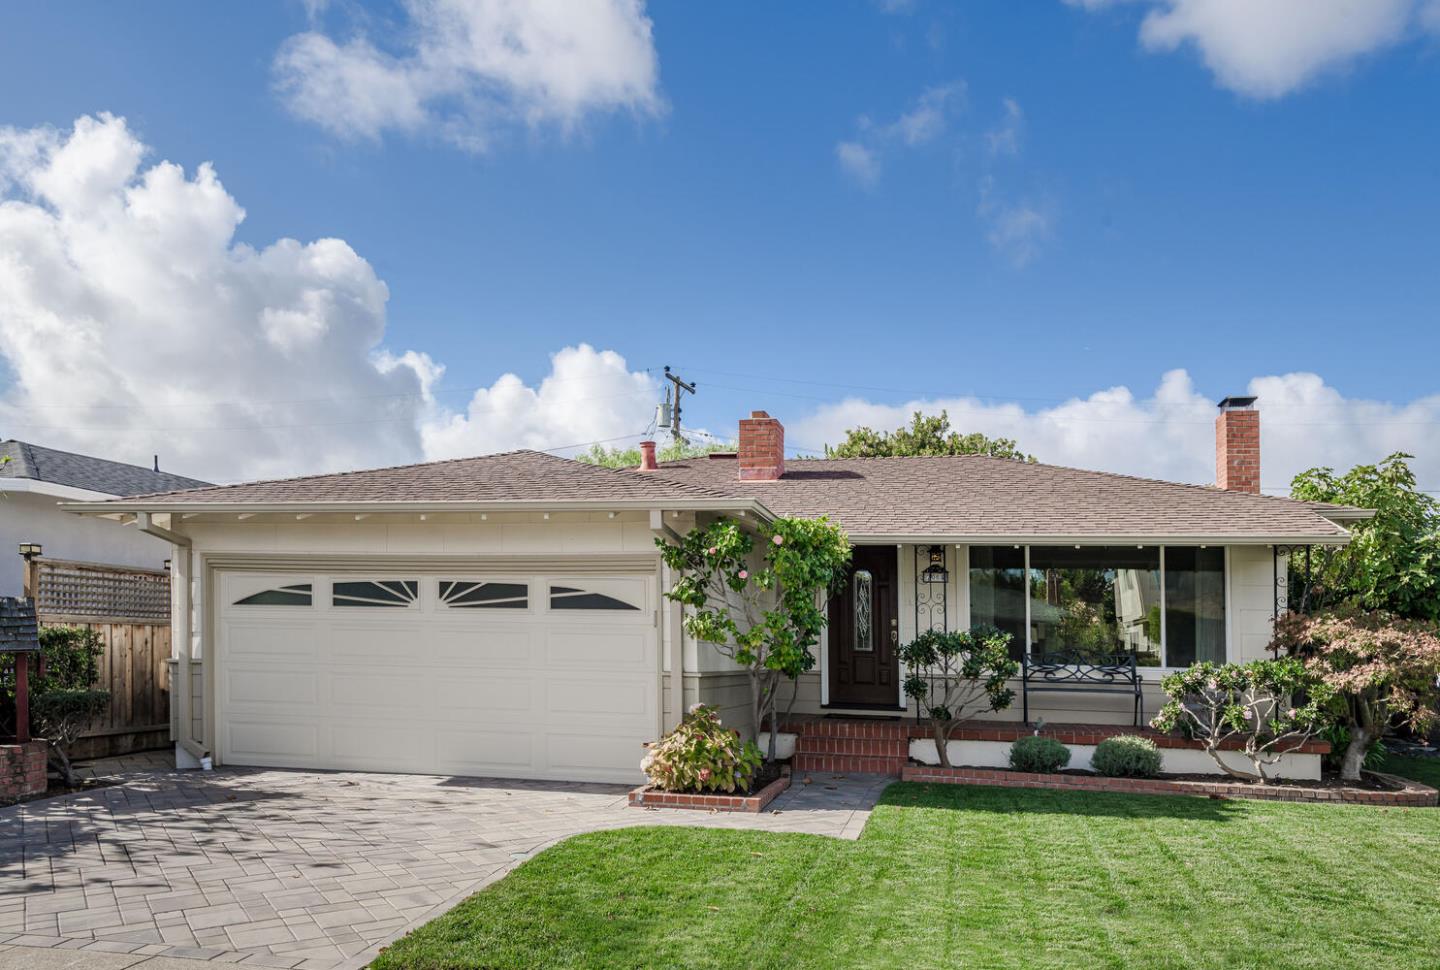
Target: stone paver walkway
<point x="314" y="870"/>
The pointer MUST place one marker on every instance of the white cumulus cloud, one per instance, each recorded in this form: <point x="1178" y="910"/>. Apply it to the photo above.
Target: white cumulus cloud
<point x="467" y="69"/>
<point x="1169" y="433"/>
<point x="927" y="118"/>
<point x="132" y="323"/>
<point x="1269" y="48"/>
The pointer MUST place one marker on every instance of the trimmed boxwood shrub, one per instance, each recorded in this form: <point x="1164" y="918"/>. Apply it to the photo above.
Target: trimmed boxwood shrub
<point x="1126" y="756"/>
<point x="1034" y="753"/>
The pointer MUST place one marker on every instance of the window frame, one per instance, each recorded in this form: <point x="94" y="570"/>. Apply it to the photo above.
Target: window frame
<point x="1165" y="667"/>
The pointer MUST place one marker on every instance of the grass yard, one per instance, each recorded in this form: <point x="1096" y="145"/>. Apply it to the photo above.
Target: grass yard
<point x="948" y="876"/>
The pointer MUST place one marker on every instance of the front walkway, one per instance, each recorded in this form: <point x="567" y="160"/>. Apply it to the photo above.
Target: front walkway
<point x="303" y="869"/>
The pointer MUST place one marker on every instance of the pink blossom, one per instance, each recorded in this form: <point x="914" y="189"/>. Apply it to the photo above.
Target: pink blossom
<point x="1291" y="713"/>
<point x="778" y="540"/>
<point x="704" y="774"/>
<point x="744" y="574"/>
<point x="712" y="550"/>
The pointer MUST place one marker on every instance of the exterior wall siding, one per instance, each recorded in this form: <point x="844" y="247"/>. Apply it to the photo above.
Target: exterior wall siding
<point x="33" y="517"/>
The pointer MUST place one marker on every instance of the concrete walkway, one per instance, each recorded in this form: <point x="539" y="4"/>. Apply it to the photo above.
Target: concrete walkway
<point x="315" y="870"/>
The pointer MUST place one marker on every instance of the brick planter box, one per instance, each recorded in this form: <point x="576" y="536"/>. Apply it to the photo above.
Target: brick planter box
<point x="22" y="770"/>
<point x="647" y="797"/>
<point x="1411" y="795"/>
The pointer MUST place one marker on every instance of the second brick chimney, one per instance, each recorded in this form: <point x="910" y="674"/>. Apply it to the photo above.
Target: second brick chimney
<point x="1237" y="445"/>
<point x="762" y="448"/>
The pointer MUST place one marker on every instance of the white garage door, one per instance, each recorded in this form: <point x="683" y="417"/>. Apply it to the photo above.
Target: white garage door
<point x="525" y="676"/>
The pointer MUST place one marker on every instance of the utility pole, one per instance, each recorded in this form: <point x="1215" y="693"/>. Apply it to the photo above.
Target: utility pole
<point x="672" y="402"/>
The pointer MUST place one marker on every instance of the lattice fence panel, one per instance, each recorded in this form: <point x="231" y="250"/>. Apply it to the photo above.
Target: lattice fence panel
<point x="73" y="589"/>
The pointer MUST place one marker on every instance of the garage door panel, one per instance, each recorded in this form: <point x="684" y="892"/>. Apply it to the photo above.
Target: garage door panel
<point x="484" y="698"/>
<point x="595" y="648"/>
<point x="379" y="744"/>
<point x="482" y="643"/>
<point x="288" y="688"/>
<point x="619" y="698"/>
<point x="291" y="740"/>
<point x="575" y="755"/>
<point x="278" y="640"/>
<point x="378" y="691"/>
<point x="486" y="752"/>
<point x="538" y="692"/>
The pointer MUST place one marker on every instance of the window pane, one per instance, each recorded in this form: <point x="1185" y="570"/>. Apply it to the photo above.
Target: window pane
<point x="463" y="594"/>
<point x="382" y="593"/>
<point x="997" y="592"/>
<point x="297" y="595"/>
<point x="863" y="594"/>
<point x="569" y="598"/>
<point x="1194" y="605"/>
<point x="1096" y="602"/>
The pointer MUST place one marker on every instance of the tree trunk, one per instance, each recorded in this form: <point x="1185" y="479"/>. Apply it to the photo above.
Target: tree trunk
<point x="1354" y="758"/>
<point x="942" y="740"/>
<point x="61" y="760"/>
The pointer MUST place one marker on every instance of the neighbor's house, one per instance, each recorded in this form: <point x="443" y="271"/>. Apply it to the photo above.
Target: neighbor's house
<point x="33" y="483"/>
<point x="504" y="615"/>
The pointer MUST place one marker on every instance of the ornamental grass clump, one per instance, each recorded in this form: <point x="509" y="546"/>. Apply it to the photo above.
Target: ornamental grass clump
<point x="701" y="755"/>
<point x="1038" y="754"/>
<point x="1126" y="756"/>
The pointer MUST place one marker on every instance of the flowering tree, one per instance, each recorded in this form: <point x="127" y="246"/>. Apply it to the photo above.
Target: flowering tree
<point x="1271" y="707"/>
<point x="1380" y="668"/>
<point x="766" y="615"/>
<point x="955" y="676"/>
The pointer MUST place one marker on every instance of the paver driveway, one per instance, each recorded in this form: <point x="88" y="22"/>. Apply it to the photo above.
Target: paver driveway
<point x="304" y="869"/>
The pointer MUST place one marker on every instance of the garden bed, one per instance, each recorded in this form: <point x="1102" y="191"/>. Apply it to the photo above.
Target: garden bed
<point x="769" y="782"/>
<point x="1381" y="789"/>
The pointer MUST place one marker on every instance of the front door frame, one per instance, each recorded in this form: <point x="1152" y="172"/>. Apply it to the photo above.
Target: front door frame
<point x="826" y="669"/>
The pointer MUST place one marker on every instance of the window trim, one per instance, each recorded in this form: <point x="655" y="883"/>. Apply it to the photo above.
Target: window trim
<point x="414" y="604"/>
<point x="1164" y="667"/>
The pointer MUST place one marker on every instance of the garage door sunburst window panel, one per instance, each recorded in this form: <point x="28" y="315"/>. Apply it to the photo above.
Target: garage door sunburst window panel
<point x="296" y="595"/>
<point x="570" y="598"/>
<point x="377" y="593"/>
<point x="482" y="595"/>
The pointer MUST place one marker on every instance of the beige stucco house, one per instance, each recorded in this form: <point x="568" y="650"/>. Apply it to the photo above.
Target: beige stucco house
<point x="504" y="615"/>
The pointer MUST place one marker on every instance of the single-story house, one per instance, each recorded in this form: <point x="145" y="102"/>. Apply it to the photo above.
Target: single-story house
<point x="35" y="479"/>
<point x="504" y="615"/>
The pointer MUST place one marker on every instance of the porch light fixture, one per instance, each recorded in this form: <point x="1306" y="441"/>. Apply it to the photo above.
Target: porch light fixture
<point x="936" y="572"/>
<point x="30" y="549"/>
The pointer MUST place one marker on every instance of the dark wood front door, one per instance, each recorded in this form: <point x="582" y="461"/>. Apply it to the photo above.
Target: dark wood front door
<point x="865" y="632"/>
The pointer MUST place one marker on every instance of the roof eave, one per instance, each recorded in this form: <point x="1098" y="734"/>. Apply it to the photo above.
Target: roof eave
<point x="162" y="507"/>
<point x="875" y="539"/>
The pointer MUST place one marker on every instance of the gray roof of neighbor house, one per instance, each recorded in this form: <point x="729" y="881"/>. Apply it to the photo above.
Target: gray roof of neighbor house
<point x="43" y="464"/>
<point x="967" y="497"/>
<point x="19" y="632"/>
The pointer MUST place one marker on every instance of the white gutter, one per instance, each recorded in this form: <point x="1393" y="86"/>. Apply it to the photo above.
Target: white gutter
<point x="35" y="486"/>
<point x="161" y="506"/>
<point x="1097" y="540"/>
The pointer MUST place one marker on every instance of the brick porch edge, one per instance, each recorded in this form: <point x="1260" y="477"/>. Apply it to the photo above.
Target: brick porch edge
<point x="1411" y="794"/>
<point x="647" y="797"/>
<point x="22" y="770"/>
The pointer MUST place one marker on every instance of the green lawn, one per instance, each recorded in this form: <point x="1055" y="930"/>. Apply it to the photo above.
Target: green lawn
<point x="948" y="876"/>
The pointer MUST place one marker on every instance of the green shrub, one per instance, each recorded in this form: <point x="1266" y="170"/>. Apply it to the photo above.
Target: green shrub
<point x="1034" y="753"/>
<point x="1126" y="756"/>
<point x="701" y="755"/>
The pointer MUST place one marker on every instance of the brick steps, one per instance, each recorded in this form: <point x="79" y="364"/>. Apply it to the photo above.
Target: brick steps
<point x="834" y="751"/>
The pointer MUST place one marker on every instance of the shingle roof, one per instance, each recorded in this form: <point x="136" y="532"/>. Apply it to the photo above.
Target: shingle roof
<point x="960" y="496"/>
<point x="43" y="464"/>
<point x="18" y="630"/>
<point x="513" y="476"/>
<point x="975" y="495"/>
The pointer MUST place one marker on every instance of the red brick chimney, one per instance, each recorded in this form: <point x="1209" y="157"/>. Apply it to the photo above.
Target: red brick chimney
<point x="647" y="456"/>
<point x="762" y="448"/>
<point x="1237" y="445"/>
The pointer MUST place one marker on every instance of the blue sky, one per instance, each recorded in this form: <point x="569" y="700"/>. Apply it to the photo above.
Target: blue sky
<point x="1085" y="209"/>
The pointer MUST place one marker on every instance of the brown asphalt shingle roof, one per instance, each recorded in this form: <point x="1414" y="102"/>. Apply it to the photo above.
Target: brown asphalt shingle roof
<point x="512" y="476"/>
<point x="951" y="496"/>
<point x="975" y="495"/>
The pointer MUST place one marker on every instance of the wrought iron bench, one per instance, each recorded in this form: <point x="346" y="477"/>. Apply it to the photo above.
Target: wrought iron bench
<point x="1059" y="672"/>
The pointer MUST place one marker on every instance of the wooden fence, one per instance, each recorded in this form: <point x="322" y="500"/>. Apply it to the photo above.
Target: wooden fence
<point x="130" y="609"/>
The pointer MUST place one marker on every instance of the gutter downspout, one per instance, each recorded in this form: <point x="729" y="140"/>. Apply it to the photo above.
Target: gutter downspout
<point x="182" y="558"/>
<point x="675" y="623"/>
